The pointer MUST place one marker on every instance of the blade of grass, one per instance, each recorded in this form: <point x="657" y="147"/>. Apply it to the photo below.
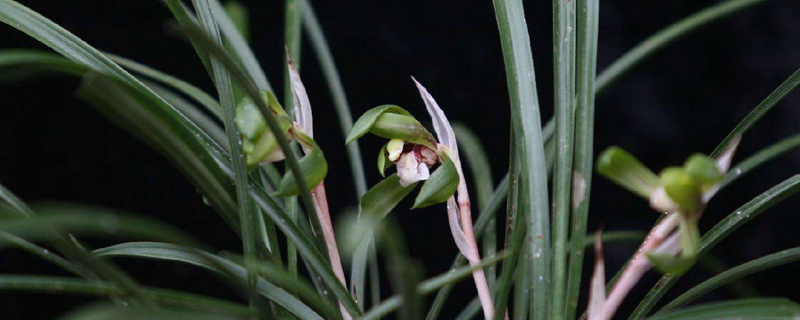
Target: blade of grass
<point x="166" y="297"/>
<point x="332" y="282"/>
<point x="587" y="33"/>
<point x="484" y="185"/>
<point x="43" y="253"/>
<point x="765" y="106"/>
<point x="738" y="272"/>
<point x="563" y="69"/>
<point x="725" y="227"/>
<point x="763" y="156"/>
<point x="90" y="220"/>
<point x="325" y="57"/>
<point x="758" y="308"/>
<point x="525" y="115"/>
<point x="274" y="292"/>
<point x="195" y="115"/>
<point x="431" y="285"/>
<point x="181" y="86"/>
<point x="741" y="288"/>
<point x="292" y="39"/>
<point x="246" y="210"/>
<point x="514" y="266"/>
<point x="668" y="35"/>
<point x="238" y="45"/>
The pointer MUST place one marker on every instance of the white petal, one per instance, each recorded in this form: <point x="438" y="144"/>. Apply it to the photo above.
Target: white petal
<point x="408" y="169"/>
<point x="302" y="106"/>
<point x="440" y="123"/>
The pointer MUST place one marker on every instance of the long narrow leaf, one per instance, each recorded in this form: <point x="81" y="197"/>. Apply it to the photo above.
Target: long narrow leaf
<point x="738" y="272"/>
<point x="528" y="129"/>
<point x="163" y="251"/>
<point x="744" y="309"/>
<point x="61" y="285"/>
<point x="588" y="18"/>
<point x="564" y="91"/>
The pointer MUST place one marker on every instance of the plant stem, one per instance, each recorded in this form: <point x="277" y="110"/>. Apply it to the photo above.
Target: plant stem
<point x="474" y="259"/>
<point x="639" y="264"/>
<point x="324" y="216"/>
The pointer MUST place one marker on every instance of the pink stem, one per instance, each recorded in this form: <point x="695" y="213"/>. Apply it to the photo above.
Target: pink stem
<point x="638" y="266"/>
<point x="321" y="203"/>
<point x="478" y="275"/>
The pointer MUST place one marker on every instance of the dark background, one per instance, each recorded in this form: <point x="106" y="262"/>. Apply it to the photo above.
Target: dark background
<point x="684" y="99"/>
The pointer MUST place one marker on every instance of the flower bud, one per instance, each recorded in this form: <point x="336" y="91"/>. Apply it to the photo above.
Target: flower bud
<point x="682" y="188"/>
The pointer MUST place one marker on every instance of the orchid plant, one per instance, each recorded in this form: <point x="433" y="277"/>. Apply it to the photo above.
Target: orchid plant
<point x="250" y="151"/>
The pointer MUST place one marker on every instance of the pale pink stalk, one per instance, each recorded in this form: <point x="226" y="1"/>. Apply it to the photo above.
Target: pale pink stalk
<point x="304" y="121"/>
<point x="323" y="214"/>
<point x="464" y="234"/>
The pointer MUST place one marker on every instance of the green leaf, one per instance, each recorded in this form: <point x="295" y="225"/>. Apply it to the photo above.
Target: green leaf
<point x="91" y="220"/>
<point x="181" y="86"/>
<point x="169" y="252"/>
<point x="736" y="273"/>
<point x="166" y="297"/>
<point x="100" y="311"/>
<point x="383" y="197"/>
<point x="239" y="16"/>
<point x="682" y="188"/>
<point x="439" y="187"/>
<point x="563" y="42"/>
<point x="527" y="127"/>
<point x="313" y="167"/>
<point x="364" y="123"/>
<point x="404" y="127"/>
<point x="428" y="286"/>
<point x="759" y="308"/>
<point x="625" y="170"/>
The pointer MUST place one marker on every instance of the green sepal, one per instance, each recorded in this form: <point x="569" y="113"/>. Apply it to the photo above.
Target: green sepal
<point x="403" y="127"/>
<point x="675" y="265"/>
<point x="625" y="170"/>
<point x="392" y="122"/>
<point x="682" y="188"/>
<point x="249" y="120"/>
<point x="365" y="122"/>
<point x="383" y="197"/>
<point x="441" y="185"/>
<point x="703" y="169"/>
<point x="313" y="166"/>
<point x="383" y="160"/>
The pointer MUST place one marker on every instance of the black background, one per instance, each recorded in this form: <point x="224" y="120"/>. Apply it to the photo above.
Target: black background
<point x="684" y="99"/>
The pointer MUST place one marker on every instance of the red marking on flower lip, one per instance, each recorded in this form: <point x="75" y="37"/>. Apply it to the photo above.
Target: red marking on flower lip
<point x="425" y="154"/>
